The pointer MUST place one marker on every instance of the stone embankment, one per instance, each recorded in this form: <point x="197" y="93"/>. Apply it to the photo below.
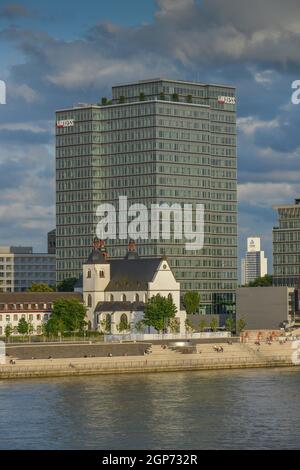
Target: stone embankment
<point x="204" y="357"/>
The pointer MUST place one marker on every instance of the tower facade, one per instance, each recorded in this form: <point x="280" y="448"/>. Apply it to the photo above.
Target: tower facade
<point x="255" y="264"/>
<point x="159" y="141"/>
<point x="286" y="245"/>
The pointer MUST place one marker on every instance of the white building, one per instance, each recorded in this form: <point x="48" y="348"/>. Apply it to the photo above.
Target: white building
<point x="20" y="268"/>
<point x="34" y="307"/>
<point x="115" y="291"/>
<point x="255" y="264"/>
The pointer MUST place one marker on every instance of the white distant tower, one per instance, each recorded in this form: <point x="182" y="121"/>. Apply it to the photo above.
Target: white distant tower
<point x="255" y="264"/>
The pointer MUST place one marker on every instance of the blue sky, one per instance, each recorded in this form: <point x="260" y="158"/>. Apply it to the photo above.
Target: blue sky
<point x="54" y="54"/>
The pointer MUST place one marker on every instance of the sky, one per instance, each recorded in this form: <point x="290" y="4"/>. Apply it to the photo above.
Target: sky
<point x="54" y="54"/>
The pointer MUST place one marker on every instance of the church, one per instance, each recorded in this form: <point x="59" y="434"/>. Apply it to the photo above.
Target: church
<point x="115" y="291"/>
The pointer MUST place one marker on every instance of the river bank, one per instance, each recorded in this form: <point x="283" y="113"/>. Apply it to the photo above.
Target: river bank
<point x="57" y="361"/>
<point x="101" y="366"/>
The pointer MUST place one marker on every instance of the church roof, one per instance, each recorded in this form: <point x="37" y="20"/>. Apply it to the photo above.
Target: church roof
<point x="132" y="274"/>
<point x="119" y="306"/>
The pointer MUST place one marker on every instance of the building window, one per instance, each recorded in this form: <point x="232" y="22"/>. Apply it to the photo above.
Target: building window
<point x="30" y="317"/>
<point x="124" y="298"/>
<point x="101" y="273"/>
<point x="89" y="274"/>
<point x="170" y="297"/>
<point x="7" y="317"/>
<point x="108" y="323"/>
<point x="89" y="302"/>
<point x="111" y="298"/>
<point x="38" y="317"/>
<point x="124" y="321"/>
<point x="15" y="317"/>
<point x="137" y="297"/>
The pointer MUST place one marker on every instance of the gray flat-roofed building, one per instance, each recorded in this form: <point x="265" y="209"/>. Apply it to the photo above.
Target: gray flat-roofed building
<point x="265" y="307"/>
<point x="20" y="268"/>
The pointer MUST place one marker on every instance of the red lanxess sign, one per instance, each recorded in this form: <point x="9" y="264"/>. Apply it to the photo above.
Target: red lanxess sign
<point x="66" y="123"/>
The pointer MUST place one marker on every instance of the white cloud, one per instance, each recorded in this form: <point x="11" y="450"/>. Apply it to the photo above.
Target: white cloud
<point x="28" y="94"/>
<point x="267" y="194"/>
<point x="248" y="125"/>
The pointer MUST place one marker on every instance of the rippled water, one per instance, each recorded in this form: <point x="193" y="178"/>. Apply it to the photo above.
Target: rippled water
<point x="249" y="409"/>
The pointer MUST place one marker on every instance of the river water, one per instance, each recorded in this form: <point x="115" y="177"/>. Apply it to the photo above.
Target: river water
<point x="241" y="409"/>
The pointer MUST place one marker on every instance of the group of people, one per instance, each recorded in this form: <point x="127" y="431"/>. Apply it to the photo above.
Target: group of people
<point x="218" y="348"/>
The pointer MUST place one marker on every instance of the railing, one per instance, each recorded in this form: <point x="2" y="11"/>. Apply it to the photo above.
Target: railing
<point x="144" y="364"/>
<point x="167" y="336"/>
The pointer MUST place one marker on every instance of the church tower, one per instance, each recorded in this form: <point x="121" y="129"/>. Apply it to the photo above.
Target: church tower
<point x="96" y="276"/>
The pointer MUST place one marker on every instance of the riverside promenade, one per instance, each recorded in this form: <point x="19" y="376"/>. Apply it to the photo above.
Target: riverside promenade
<point x="160" y="359"/>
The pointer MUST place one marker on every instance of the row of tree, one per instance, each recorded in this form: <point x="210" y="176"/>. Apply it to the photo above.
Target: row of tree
<point x="67" y="285"/>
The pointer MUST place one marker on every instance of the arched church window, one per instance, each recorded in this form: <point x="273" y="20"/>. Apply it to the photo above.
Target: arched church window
<point x="137" y="297"/>
<point x="89" y="274"/>
<point x="89" y="300"/>
<point x="111" y="298"/>
<point x="101" y="273"/>
<point x="124" y="298"/>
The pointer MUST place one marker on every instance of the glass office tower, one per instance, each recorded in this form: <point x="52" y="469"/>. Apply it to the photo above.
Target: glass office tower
<point x="157" y="141"/>
<point x="286" y="246"/>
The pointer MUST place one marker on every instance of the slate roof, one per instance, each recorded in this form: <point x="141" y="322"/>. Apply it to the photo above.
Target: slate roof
<point x="36" y="297"/>
<point x="132" y="274"/>
<point x="119" y="306"/>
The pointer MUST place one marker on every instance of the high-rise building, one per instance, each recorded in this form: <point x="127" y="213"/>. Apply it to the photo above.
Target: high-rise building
<point x="157" y="141"/>
<point x="20" y="268"/>
<point x="51" y="239"/>
<point x="255" y="264"/>
<point x="286" y="245"/>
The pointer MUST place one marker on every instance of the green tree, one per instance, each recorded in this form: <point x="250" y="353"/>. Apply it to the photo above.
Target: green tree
<point x="104" y="101"/>
<point x="189" y="99"/>
<point x="241" y="325"/>
<point x="8" y="331"/>
<point x="122" y="99"/>
<point x="142" y="96"/>
<point x="67" y="316"/>
<point x="264" y="281"/>
<point x="158" y="312"/>
<point x="67" y="285"/>
<point x="214" y="324"/>
<point x="22" y="327"/>
<point x="162" y="96"/>
<point x="106" y="325"/>
<point x="140" y="326"/>
<point x="189" y="326"/>
<point x="230" y="324"/>
<point x="175" y="97"/>
<point x="191" y="302"/>
<point x="202" y="324"/>
<point x="41" y="287"/>
<point x="30" y="329"/>
<point x="174" y="325"/>
<point x="123" y="325"/>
